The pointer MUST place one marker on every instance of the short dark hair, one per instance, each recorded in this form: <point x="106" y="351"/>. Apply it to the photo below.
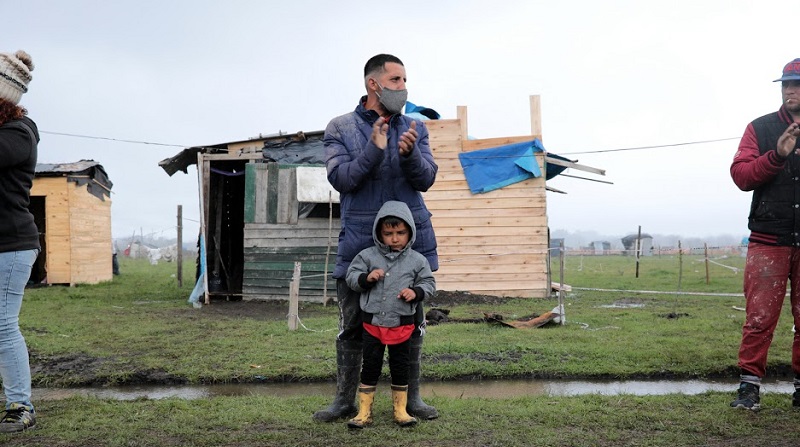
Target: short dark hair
<point x="378" y="61"/>
<point x="392" y="221"/>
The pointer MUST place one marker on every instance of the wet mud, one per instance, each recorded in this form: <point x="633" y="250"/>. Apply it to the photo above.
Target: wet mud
<point x="81" y="370"/>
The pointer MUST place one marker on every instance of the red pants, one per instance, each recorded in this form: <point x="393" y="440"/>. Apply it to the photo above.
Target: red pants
<point x="767" y="270"/>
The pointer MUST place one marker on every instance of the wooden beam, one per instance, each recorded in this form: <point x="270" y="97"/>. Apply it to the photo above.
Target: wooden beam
<point x="585" y="178"/>
<point x="472" y="145"/>
<point x="294" y="296"/>
<point x="569" y="164"/>
<point x="203" y="175"/>
<point x="461" y="113"/>
<point x="536" y="115"/>
<point x="551" y="189"/>
<point x="250" y="156"/>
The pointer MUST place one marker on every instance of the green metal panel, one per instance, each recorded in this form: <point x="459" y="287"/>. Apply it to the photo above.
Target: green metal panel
<point x="272" y="193"/>
<point x="268" y="270"/>
<point x="249" y="193"/>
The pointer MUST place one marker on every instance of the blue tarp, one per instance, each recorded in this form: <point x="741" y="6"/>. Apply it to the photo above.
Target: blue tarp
<point x="490" y="169"/>
<point x="200" y="287"/>
<point x="421" y="112"/>
<point x="553" y="169"/>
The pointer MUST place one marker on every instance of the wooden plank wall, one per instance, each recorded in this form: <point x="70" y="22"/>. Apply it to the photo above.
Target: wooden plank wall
<point x="90" y="221"/>
<point x="274" y="238"/>
<point x="270" y="251"/>
<point x="493" y="243"/>
<point x="77" y="233"/>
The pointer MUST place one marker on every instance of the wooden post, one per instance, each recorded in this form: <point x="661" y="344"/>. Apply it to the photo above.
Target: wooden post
<point x="180" y="245"/>
<point x="638" y="249"/>
<point x="705" y="249"/>
<point x="561" y="311"/>
<point x="203" y="174"/>
<point x="680" y="265"/>
<point x="461" y="114"/>
<point x="327" y="249"/>
<point x="536" y="116"/>
<point x="294" y="297"/>
<point x="535" y="104"/>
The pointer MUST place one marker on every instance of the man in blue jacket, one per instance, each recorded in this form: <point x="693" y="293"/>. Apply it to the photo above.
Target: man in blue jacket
<point x="375" y="154"/>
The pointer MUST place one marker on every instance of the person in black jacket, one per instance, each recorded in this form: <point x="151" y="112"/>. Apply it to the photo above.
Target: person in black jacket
<point x="767" y="163"/>
<point x="19" y="237"/>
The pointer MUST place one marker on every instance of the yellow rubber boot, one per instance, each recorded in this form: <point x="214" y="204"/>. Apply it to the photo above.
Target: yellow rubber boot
<point x="366" y="396"/>
<point x="400" y="399"/>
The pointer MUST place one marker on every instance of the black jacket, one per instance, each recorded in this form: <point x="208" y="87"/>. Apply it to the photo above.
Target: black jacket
<point x="18" y="152"/>
<point x="775" y="208"/>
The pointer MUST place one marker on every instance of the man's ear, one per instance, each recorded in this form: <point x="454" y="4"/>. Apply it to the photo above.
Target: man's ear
<point x="373" y="84"/>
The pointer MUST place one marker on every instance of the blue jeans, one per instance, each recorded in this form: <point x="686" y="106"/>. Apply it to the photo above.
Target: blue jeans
<point x="15" y="370"/>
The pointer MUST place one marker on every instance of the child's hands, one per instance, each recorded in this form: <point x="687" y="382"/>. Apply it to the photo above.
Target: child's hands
<point x="375" y="275"/>
<point x="407" y="295"/>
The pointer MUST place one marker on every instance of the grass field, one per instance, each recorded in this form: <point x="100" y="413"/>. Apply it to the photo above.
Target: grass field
<point x="668" y="273"/>
<point x="139" y="327"/>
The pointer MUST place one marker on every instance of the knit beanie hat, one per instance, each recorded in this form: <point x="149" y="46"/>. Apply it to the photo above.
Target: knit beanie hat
<point x="15" y="74"/>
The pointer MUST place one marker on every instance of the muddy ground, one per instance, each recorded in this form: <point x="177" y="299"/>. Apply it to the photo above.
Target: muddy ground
<point x="82" y="370"/>
<point x="276" y="310"/>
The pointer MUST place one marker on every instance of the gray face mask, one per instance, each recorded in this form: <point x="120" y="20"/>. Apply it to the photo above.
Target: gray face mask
<point x="392" y="100"/>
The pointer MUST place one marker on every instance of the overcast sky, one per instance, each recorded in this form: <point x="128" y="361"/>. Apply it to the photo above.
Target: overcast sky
<point x="611" y="75"/>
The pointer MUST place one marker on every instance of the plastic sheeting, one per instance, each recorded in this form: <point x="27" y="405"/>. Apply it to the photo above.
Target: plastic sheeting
<point x="494" y="168"/>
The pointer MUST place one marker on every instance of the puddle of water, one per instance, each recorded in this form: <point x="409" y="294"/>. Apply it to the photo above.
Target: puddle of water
<point x="622" y="306"/>
<point x="461" y="389"/>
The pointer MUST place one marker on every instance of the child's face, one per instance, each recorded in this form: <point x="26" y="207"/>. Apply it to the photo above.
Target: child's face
<point x="396" y="237"/>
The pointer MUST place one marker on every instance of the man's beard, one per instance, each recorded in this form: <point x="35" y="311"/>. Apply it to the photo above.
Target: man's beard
<point x="794" y="107"/>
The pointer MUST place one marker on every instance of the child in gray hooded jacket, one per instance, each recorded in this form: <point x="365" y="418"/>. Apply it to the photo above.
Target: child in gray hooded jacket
<point x="392" y="278"/>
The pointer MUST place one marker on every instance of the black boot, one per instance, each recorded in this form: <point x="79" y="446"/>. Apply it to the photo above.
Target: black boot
<point x="348" y="371"/>
<point x="416" y="406"/>
<point x="748" y="397"/>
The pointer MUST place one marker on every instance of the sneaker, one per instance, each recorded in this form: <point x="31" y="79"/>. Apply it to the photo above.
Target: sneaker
<point x="796" y="398"/>
<point x="17" y="418"/>
<point x="748" y="397"/>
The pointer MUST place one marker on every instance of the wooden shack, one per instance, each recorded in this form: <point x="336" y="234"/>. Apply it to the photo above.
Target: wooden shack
<point x="71" y="203"/>
<point x="253" y="220"/>
<point x="495" y="243"/>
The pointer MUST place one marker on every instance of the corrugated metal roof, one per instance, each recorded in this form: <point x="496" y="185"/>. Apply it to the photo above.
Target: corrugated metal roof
<point x="296" y="148"/>
<point x="65" y="168"/>
<point x="83" y="172"/>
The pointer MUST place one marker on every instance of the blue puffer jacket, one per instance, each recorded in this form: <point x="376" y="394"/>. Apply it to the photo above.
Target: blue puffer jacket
<point x="366" y="177"/>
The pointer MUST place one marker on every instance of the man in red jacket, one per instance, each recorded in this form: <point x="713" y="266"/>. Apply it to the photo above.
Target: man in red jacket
<point x="768" y="164"/>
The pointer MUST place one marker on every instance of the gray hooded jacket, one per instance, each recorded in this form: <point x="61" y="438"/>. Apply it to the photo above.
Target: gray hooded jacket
<point x="404" y="269"/>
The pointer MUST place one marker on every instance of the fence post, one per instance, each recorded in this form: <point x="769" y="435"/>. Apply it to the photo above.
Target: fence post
<point x="294" y="297"/>
<point x="561" y="311"/>
<point x="327" y="250"/>
<point x="180" y="246"/>
<point x="680" y="265"/>
<point x="638" y="249"/>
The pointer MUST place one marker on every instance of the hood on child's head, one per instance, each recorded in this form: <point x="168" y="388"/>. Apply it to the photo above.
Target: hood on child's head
<point x="396" y="209"/>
